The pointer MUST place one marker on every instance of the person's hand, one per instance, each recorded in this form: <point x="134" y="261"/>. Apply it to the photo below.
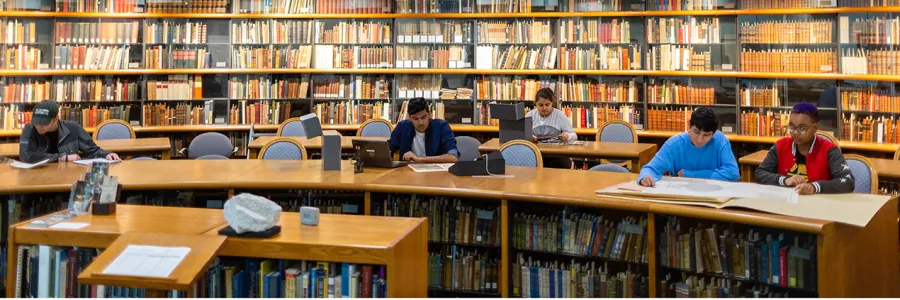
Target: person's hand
<point x="564" y="137"/>
<point x="681" y="173"/>
<point x="534" y="138"/>
<point x="794" y="180"/>
<point x="805" y="189"/>
<point x="70" y="157"/>
<point x="410" y="156"/>
<point x="648" y="181"/>
<point x="113" y="156"/>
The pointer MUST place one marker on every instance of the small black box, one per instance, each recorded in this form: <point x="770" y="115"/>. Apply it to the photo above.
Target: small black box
<point x="491" y="164"/>
<point x="515" y="130"/>
<point x="228" y="231"/>
<point x="103" y="209"/>
<point x="508" y="111"/>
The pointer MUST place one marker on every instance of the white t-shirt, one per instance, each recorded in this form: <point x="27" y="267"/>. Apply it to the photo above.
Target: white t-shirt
<point x="418" y="145"/>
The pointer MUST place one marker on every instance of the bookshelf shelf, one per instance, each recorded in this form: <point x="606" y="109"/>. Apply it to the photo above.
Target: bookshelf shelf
<point x="464" y="292"/>
<point x="463" y="244"/>
<point x="691" y="105"/>
<point x="809" y="291"/>
<point x="580" y="256"/>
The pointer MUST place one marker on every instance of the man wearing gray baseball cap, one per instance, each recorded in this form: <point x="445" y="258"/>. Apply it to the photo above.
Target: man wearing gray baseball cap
<point x="48" y="137"/>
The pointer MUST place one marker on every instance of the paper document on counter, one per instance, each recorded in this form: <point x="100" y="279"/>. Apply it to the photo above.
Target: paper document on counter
<point x="720" y="189"/>
<point x="85" y="162"/>
<point x="430" y="167"/>
<point x="21" y="165"/>
<point x="147" y="261"/>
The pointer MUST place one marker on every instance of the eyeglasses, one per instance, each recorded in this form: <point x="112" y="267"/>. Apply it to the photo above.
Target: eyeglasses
<point x="801" y="130"/>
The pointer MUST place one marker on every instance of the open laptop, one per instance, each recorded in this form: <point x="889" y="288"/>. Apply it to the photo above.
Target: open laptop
<point x="376" y="154"/>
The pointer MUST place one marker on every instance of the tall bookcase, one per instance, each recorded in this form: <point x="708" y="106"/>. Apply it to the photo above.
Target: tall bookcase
<point x="645" y="62"/>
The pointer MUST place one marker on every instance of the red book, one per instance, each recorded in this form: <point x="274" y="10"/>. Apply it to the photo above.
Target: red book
<point x="72" y="274"/>
<point x="367" y="281"/>
<point x="782" y="261"/>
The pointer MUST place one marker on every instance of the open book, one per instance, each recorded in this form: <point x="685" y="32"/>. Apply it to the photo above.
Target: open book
<point x="853" y="209"/>
<point x="21" y="165"/>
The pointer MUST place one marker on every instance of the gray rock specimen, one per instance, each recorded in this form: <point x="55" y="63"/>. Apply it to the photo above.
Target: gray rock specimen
<point x="251" y="213"/>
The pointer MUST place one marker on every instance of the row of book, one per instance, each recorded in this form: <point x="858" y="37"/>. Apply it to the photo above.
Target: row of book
<point x="675" y="119"/>
<point x="788" y="32"/>
<point x="450" y="220"/>
<point x="437" y="31"/>
<point x="23" y="57"/>
<point x="881" y="31"/>
<point x="94" y="57"/>
<point x="593" y="117"/>
<point x="175" y="32"/>
<point x="275" y="6"/>
<point x="864" y="61"/>
<point x="762" y="122"/>
<point x="349" y="112"/>
<point x="267" y="87"/>
<point x="694" y="286"/>
<point x="352" y="57"/>
<point x="771" y="259"/>
<point x="763" y="95"/>
<point x="457" y="269"/>
<point x="270" y="57"/>
<point x="509" y="88"/>
<point x="106" y="6"/>
<point x="677" y="5"/>
<point x="789" y="60"/>
<point x="175" y="87"/>
<point x="27" y="90"/>
<point x="594" y="90"/>
<point x="12" y="117"/>
<point x="18" y="32"/>
<point x="597" y="5"/>
<point x="780" y="4"/>
<point x="671" y="91"/>
<point x="229" y="277"/>
<point x="94" y="115"/>
<point x="49" y="271"/>
<point x="557" y="279"/>
<point x="354" y="6"/>
<point x="433" y="6"/>
<point x="871" y="129"/>
<point x="261" y="112"/>
<point x="438" y="57"/>
<point x="514" y="32"/>
<point x="870" y="99"/>
<point x="181" y="114"/>
<point x="600" y="58"/>
<point x="96" y="32"/>
<point x="582" y="235"/>
<point x="691" y="30"/>
<point x="185" y="6"/>
<point x="353" y="32"/>
<point x="678" y="58"/>
<point x="164" y="57"/>
<point x="94" y="89"/>
<point x="516" y="57"/>
<point x="437" y="109"/>
<point x="615" y="31"/>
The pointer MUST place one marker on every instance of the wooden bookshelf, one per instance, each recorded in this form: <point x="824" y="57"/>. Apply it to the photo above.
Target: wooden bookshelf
<point x="852" y="261"/>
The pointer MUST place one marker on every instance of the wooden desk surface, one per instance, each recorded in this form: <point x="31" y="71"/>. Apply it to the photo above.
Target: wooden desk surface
<point x="117" y="146"/>
<point x="313" y="143"/>
<point x="306" y="174"/>
<point x="358" y="239"/>
<point x="591" y="149"/>
<point x="203" y="250"/>
<point x="103" y="230"/>
<point x="405" y="180"/>
<point x="886" y="168"/>
<point x="174" y="174"/>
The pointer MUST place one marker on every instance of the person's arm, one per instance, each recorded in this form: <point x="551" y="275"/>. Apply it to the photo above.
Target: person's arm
<point x="86" y="144"/>
<point x="450" y="154"/>
<point x="566" y="127"/>
<point x="842" y="180"/>
<point x="767" y="172"/>
<point x="727" y="170"/>
<point x="661" y="163"/>
<point x="29" y="152"/>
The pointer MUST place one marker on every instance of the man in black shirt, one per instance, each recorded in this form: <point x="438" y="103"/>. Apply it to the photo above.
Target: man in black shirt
<point x="48" y="137"/>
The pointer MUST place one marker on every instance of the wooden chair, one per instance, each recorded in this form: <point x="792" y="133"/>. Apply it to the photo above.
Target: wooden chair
<point x="283" y="148"/>
<point x="866" y="179"/>
<point x="620" y="132"/>
<point x="114" y="129"/>
<point x="291" y="127"/>
<point x="521" y="153"/>
<point x="897" y="154"/>
<point x="375" y="127"/>
<point x="828" y="136"/>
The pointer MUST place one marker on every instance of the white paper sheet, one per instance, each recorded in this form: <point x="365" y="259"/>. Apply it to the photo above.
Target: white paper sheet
<point x="721" y="189"/>
<point x="20" y="165"/>
<point x="85" y="162"/>
<point x="430" y="167"/>
<point x="147" y="261"/>
<point x="69" y="225"/>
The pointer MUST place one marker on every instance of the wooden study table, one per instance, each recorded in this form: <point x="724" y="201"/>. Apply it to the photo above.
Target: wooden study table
<point x="311" y="145"/>
<point x="123" y="147"/>
<point x="886" y="168"/>
<point x="639" y="154"/>
<point x="400" y="244"/>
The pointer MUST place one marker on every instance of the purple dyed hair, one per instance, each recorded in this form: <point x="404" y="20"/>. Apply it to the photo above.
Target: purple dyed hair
<point x="808" y="109"/>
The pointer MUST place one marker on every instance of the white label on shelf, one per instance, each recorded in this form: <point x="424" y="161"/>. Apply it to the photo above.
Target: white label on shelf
<point x="638" y="126"/>
<point x="135" y="123"/>
<point x="221" y="64"/>
<point x="417" y="64"/>
<point x="134" y="65"/>
<point x="43" y="66"/>
<point x="138" y="9"/>
<point x="457" y="39"/>
<point x="433" y="38"/>
<point x="727" y="67"/>
<point x="453" y="64"/>
<point x="439" y="39"/>
<point x="468" y="65"/>
<point x="220" y="10"/>
<point x="407" y="64"/>
<point x="467" y="120"/>
<point x="403" y="94"/>
<point x="219" y="120"/>
<point x="417" y="39"/>
<point x="424" y="64"/>
<point x="825" y="68"/>
<point x="420" y="93"/>
<point x="435" y="95"/>
<point x="727" y="129"/>
<point x="401" y="39"/>
<point x="306" y="10"/>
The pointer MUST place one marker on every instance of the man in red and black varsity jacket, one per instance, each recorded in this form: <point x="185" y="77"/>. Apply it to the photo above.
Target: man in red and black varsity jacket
<point x="805" y="160"/>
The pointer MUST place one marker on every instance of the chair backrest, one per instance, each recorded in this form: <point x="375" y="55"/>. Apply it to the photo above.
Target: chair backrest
<point x="865" y="177"/>
<point x="897" y="154"/>
<point x="609" y="168"/>
<point x="617" y="131"/>
<point x="143" y="158"/>
<point x="211" y="157"/>
<point x="210" y="143"/>
<point x="375" y="127"/>
<point x="521" y="153"/>
<point x="114" y="130"/>
<point x="828" y="136"/>
<point x="291" y="127"/>
<point x="283" y="148"/>
<point x="468" y="148"/>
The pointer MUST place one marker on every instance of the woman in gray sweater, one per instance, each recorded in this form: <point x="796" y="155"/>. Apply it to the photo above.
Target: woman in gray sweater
<point x="551" y="125"/>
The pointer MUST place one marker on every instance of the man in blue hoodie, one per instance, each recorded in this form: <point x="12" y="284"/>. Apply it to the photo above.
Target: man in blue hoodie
<point x="421" y="139"/>
<point x="703" y="152"/>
